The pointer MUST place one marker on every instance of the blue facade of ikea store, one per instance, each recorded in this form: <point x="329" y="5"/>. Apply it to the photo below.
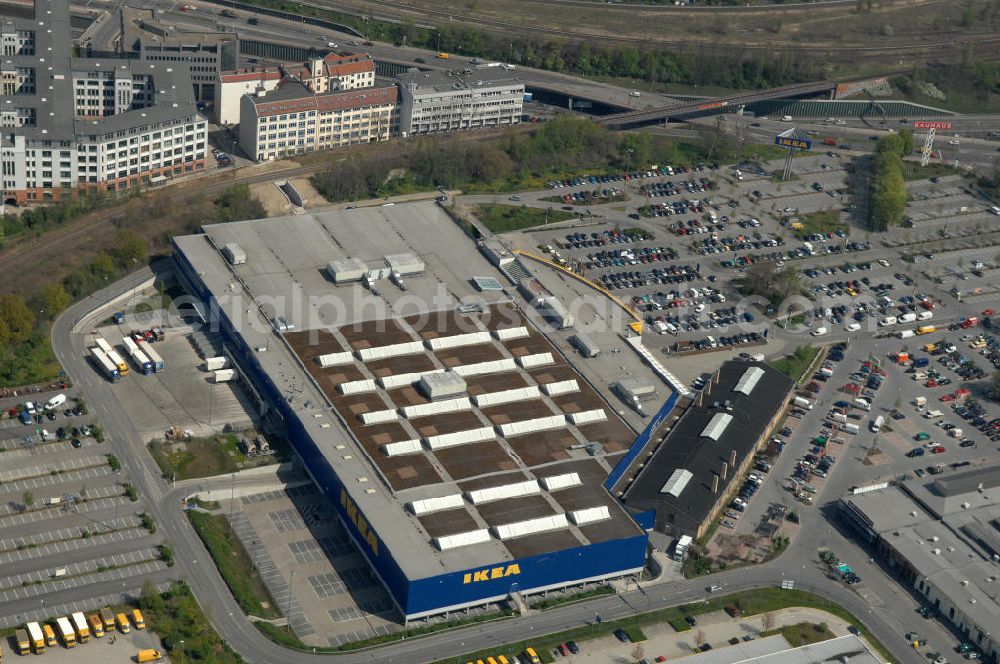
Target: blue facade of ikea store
<point x="490" y="581"/>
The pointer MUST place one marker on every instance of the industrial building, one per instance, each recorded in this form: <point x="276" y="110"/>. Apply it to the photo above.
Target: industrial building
<point x="441" y="101"/>
<point x="691" y="468"/>
<point x="942" y="535"/>
<point x="465" y="457"/>
<point x="103" y="124"/>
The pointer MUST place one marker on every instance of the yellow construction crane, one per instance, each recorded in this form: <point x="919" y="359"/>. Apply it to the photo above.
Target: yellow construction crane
<point x="636" y="325"/>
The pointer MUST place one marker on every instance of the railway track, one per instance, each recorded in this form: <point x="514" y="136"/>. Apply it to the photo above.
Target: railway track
<point x="413" y="11"/>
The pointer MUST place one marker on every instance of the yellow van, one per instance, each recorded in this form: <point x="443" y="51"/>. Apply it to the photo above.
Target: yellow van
<point x="532" y="656"/>
<point x="123" y="623"/>
<point x="50" y="635"/>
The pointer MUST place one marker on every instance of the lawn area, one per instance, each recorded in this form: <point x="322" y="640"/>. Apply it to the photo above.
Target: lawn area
<point x="824" y="221"/>
<point x="28" y="363"/>
<point x="501" y="218"/>
<point x="197" y="457"/>
<point x="802" y="634"/>
<point x="177" y="619"/>
<point x="794" y="366"/>
<point x="914" y="171"/>
<point x="234" y="564"/>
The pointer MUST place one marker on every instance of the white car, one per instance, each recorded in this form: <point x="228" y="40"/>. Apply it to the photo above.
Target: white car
<point x="700" y="308"/>
<point x="819" y="331"/>
<point x="55" y="402"/>
<point x="883" y="262"/>
<point x="852" y="327"/>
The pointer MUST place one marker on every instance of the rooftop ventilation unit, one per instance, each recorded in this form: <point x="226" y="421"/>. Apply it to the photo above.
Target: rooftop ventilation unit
<point x="515" y="490"/>
<point x="717" y="426"/>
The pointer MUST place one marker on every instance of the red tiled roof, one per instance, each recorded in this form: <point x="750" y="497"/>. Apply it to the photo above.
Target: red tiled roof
<point x="252" y="74"/>
<point x="327" y="102"/>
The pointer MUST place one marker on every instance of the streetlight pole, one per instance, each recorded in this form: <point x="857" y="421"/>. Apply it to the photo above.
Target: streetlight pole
<point x="180" y="658"/>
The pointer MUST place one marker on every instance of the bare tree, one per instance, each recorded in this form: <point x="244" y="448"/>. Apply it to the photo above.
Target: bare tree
<point x="638" y="652"/>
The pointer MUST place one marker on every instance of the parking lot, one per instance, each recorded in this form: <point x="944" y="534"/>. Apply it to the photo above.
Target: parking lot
<point x="117" y="647"/>
<point x="311" y="567"/>
<point x="72" y="533"/>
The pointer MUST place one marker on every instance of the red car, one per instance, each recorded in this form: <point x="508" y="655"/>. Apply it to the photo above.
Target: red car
<point x="931" y="383"/>
<point x="938" y="450"/>
<point x="987" y="312"/>
<point x="948" y="397"/>
<point x="563" y="650"/>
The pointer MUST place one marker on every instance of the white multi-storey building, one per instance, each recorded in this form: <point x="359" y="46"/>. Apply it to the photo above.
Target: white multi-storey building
<point x="292" y="120"/>
<point x="440" y="101"/>
<point x="101" y="124"/>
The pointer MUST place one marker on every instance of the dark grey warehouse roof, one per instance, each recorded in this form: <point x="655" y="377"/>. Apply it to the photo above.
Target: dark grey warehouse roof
<point x="688" y="446"/>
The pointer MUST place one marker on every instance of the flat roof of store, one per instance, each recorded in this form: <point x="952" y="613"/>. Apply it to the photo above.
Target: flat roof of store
<point x="720" y="421"/>
<point x="284" y="275"/>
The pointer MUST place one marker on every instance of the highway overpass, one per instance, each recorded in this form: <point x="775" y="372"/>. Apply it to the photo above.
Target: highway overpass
<point x="703" y="107"/>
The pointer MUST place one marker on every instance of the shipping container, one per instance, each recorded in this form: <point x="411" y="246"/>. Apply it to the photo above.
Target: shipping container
<point x="153" y="356"/>
<point x="101" y="362"/>
<point x="117" y="360"/>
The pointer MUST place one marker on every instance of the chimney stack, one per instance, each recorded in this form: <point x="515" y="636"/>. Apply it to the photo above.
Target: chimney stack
<point x="732" y="458"/>
<point x="725" y="470"/>
<point x="715" y="484"/>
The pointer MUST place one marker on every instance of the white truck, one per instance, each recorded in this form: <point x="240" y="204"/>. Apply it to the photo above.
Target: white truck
<point x="862" y="404"/>
<point x="876" y="424"/>
<point x="851" y="428"/>
<point x="802" y="402"/>
<point x="681" y="547"/>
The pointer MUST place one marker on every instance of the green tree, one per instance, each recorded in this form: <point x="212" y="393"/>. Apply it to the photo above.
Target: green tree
<point x="103" y="266"/>
<point x="53" y="298"/>
<point x="906" y="136"/>
<point x="128" y="249"/>
<point x="150" y="600"/>
<point x="28" y="499"/>
<point x="16" y="320"/>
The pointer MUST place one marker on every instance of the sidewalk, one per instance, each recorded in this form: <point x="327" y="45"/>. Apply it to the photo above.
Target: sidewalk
<point x="713" y="628"/>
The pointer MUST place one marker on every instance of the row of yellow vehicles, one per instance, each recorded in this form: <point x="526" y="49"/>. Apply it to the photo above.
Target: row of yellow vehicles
<point x="76" y="628"/>
<point x="529" y="655"/>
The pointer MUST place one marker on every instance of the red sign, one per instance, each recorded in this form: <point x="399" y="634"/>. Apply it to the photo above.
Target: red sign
<point x="923" y="124"/>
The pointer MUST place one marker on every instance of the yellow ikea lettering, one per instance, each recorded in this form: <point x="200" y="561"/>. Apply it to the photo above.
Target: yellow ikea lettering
<point x="491" y="573"/>
<point x="359" y="521"/>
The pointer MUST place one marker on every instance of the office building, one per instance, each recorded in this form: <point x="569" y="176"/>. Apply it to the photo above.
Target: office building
<point x="101" y="124"/>
<point x="206" y="52"/>
<point x="442" y="101"/>
<point x="292" y="120"/>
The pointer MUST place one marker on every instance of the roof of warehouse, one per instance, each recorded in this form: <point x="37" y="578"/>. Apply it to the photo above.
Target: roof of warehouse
<point x="688" y="445"/>
<point x="286" y="258"/>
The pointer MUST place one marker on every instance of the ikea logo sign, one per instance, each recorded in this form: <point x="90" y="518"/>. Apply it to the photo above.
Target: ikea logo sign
<point x="359" y="521"/>
<point x="492" y="573"/>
